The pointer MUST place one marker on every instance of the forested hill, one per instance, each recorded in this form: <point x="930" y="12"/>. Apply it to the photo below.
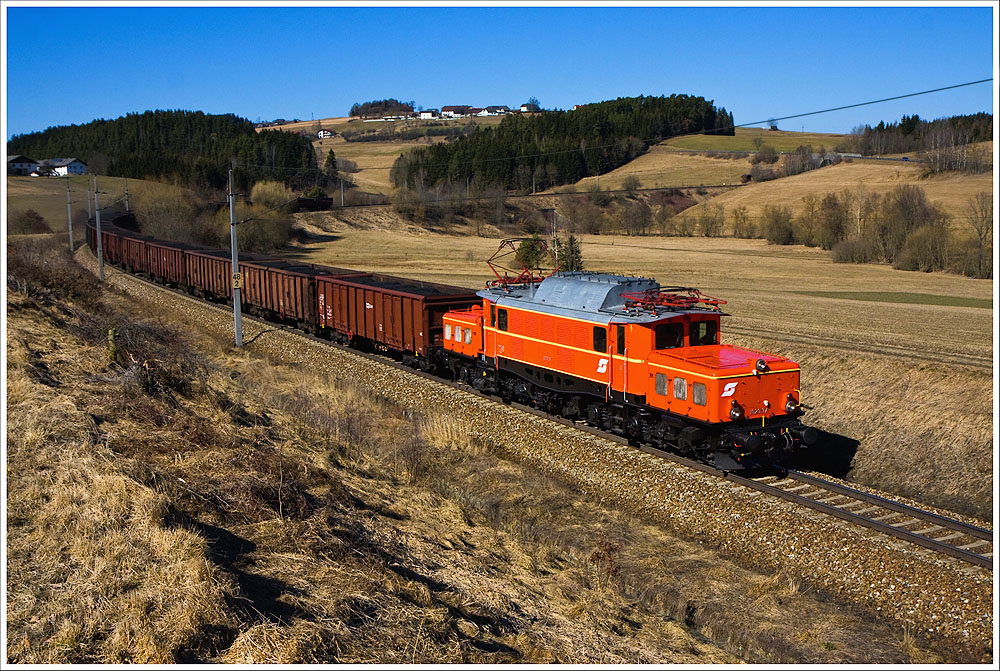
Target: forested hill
<point x="191" y="148"/>
<point x="560" y="147"/>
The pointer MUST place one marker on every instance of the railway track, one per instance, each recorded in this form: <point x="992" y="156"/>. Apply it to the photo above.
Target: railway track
<point x="923" y="528"/>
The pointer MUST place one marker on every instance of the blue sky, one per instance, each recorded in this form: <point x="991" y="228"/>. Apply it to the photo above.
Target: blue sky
<point x="72" y="65"/>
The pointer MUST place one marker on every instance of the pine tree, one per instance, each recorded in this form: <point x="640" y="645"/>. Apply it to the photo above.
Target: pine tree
<point x="330" y="166"/>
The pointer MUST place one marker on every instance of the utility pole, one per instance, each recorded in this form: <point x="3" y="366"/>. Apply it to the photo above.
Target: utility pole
<point x="126" y="193"/>
<point x="341" y="191"/>
<point x="69" y="215"/>
<point x="90" y="214"/>
<point x="100" y="245"/>
<point x="237" y="277"/>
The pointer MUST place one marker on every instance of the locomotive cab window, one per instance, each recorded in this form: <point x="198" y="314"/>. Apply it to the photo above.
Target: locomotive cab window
<point x="600" y="339"/>
<point x="502" y="319"/>
<point x="703" y="333"/>
<point x="680" y="388"/>
<point x="447" y="331"/>
<point x="493" y="315"/>
<point x="669" y="335"/>
<point x="620" y="336"/>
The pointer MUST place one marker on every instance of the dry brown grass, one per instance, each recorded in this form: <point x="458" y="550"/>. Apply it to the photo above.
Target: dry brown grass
<point x="663" y="166"/>
<point x="950" y="191"/>
<point x="916" y="414"/>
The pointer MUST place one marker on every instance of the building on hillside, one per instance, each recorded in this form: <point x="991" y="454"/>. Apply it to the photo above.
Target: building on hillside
<point x="475" y="111"/>
<point x="21" y="165"/>
<point x="530" y="107"/>
<point x="496" y="110"/>
<point x="324" y="134"/>
<point x="60" y="167"/>
<point x="454" y="111"/>
<point x="430" y="114"/>
<point x="576" y="107"/>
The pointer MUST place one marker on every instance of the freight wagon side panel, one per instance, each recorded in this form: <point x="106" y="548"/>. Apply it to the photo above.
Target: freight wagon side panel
<point x="253" y="284"/>
<point x="134" y="254"/>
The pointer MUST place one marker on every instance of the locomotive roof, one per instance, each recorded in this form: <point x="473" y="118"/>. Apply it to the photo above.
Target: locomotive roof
<point x="599" y="295"/>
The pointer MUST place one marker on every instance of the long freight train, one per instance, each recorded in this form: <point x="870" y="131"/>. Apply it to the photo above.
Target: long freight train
<point x="622" y="353"/>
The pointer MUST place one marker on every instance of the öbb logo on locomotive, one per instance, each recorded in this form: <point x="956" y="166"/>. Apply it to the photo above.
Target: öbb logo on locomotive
<point x="622" y="353"/>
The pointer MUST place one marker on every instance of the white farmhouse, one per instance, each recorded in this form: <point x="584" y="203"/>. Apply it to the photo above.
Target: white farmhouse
<point x="323" y="134"/>
<point x="62" y="166"/>
<point x="429" y="114"/>
<point x="21" y="165"/>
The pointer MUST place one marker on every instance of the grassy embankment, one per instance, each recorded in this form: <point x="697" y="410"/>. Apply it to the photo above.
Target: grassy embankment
<point x="173" y="500"/>
<point x="870" y="368"/>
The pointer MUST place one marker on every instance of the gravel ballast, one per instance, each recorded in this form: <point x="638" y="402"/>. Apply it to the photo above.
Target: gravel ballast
<point x="940" y="597"/>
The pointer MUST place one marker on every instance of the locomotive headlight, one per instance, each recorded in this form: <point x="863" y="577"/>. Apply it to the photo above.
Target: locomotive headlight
<point x="791" y="406"/>
<point x="736" y="412"/>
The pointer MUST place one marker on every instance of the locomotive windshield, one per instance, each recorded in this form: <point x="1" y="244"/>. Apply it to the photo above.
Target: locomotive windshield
<point x="703" y="333"/>
<point x="669" y="335"/>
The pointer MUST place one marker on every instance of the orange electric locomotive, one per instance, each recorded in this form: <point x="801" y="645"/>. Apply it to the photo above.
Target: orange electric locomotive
<point x="634" y="358"/>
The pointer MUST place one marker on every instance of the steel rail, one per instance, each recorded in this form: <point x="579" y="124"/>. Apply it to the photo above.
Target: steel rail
<point x="882" y="502"/>
<point x="912" y="537"/>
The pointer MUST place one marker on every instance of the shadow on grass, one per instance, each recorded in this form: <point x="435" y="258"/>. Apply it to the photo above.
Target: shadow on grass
<point x="832" y="454"/>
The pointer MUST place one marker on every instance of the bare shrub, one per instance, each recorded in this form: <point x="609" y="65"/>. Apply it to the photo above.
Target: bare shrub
<point x="743" y="226"/>
<point x="857" y="250"/>
<point x="711" y="220"/>
<point x="167" y="215"/>
<point x="926" y="249"/>
<point x="777" y="225"/>
<point x="272" y="195"/>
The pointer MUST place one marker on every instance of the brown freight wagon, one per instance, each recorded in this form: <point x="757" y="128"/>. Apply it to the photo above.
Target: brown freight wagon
<point x="111" y="243"/>
<point x="395" y="312"/>
<point x="135" y="255"/>
<point x="166" y="261"/>
<point x="255" y="294"/>
<point x="210" y="273"/>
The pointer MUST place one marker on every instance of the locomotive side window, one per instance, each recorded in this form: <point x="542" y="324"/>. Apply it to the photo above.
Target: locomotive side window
<point x="600" y="339"/>
<point x="669" y="335"/>
<point x="698" y="394"/>
<point x="703" y="333"/>
<point x="468" y="336"/>
<point x="502" y="319"/>
<point x="680" y="388"/>
<point x="493" y="315"/>
<point x="620" y="335"/>
<point x="447" y="331"/>
<point x="662" y="388"/>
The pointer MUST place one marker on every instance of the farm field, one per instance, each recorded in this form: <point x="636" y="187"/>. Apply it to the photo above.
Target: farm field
<point x="951" y="191"/>
<point x="664" y="166"/>
<point x="745" y="138"/>
<point x="374" y="160"/>
<point x="910" y="381"/>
